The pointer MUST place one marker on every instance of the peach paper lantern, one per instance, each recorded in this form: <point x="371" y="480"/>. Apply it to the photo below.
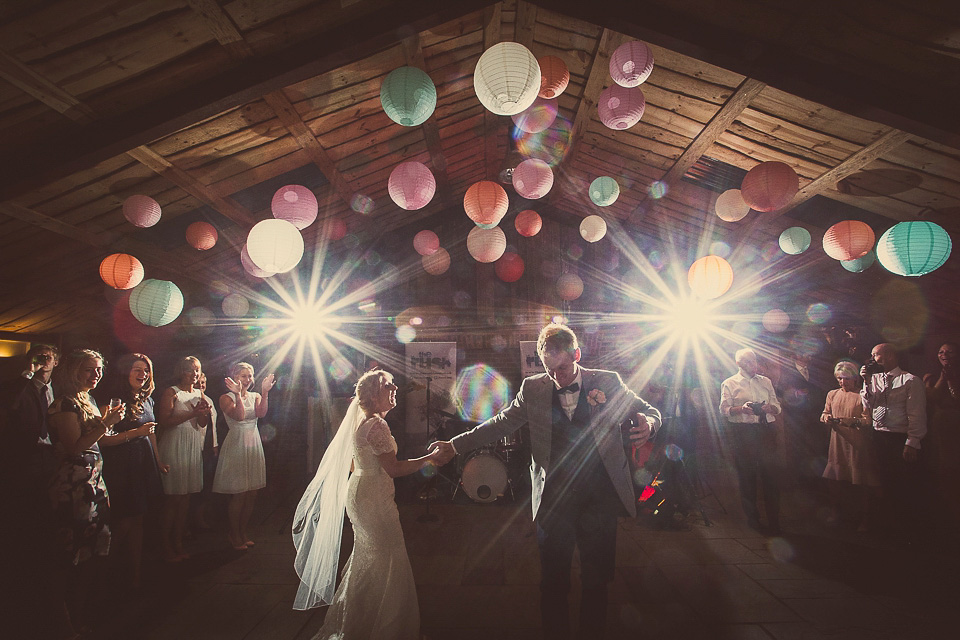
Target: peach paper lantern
<point x="411" y="185"/>
<point x="486" y="245"/>
<point x="730" y="206"/>
<point x="251" y="268"/>
<point x="436" y="263"/>
<point x="485" y="203"/>
<point x="848" y="240"/>
<point x="769" y="186"/>
<point x="620" y="107"/>
<point x="593" y="228"/>
<point x="710" y="277"/>
<point x="201" y="235"/>
<point x="537" y="117"/>
<point x="569" y="286"/>
<point x="554" y="76"/>
<point x="509" y="267"/>
<point x="296" y="204"/>
<point x="533" y="179"/>
<point x="631" y="63"/>
<point x="426" y="242"/>
<point x="776" y="321"/>
<point x="121" y="271"/>
<point x="141" y="211"/>
<point x="528" y="223"/>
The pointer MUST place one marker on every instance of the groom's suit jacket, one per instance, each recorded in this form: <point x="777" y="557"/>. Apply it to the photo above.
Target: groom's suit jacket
<point x="533" y="407"/>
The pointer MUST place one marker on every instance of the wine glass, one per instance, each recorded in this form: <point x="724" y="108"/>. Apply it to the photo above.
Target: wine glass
<point x="114" y="403"/>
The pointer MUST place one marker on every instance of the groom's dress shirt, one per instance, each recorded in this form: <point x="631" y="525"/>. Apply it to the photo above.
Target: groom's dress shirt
<point x="898" y="404"/>
<point x="569" y="399"/>
<point x="738" y="389"/>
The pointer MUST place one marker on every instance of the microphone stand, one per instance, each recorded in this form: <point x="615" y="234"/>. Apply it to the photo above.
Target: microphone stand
<point x="427" y="516"/>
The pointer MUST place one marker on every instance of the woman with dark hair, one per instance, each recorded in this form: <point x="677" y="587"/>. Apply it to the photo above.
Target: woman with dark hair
<point x="131" y="461"/>
<point x="943" y="412"/>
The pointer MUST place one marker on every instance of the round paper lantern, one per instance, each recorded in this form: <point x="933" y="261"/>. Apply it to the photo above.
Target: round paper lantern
<point x="251" y="268"/>
<point x="408" y="96"/>
<point x="485" y="203"/>
<point x="275" y="245"/>
<point x="507" y="78"/>
<point x="554" y="76"/>
<point x="436" y="263"/>
<point x="411" y="185"/>
<point x="235" y="305"/>
<point x="509" y="267"/>
<point x="795" y="240"/>
<point x="121" y="271"/>
<point x="858" y="265"/>
<point x="486" y="245"/>
<point x="776" y="320"/>
<point x="295" y="204"/>
<point x="528" y="223"/>
<point x="533" y="178"/>
<point x="201" y="235"/>
<point x="770" y="186"/>
<point x="848" y="240"/>
<point x="604" y="191"/>
<point x="156" y="302"/>
<point x="710" y="277"/>
<point x="141" y="211"/>
<point x="631" y="63"/>
<point x="620" y="107"/>
<point x="537" y="117"/>
<point x="334" y="229"/>
<point x="730" y="206"/>
<point x="914" y="248"/>
<point x="569" y="286"/>
<point x="426" y="242"/>
<point x="593" y="228"/>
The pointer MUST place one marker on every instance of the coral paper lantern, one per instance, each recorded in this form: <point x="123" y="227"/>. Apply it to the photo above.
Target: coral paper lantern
<point x="436" y="263"/>
<point x="848" y="240"/>
<point x="770" y="186"/>
<point x="296" y="204"/>
<point x="201" y="235"/>
<point x="593" y="228"/>
<point x="486" y="245"/>
<point x="156" y="302"/>
<point x="554" y="76"/>
<point x="604" y="191"/>
<point x="795" y="240"/>
<point x="426" y="242"/>
<point x="121" y="271"/>
<point x="141" y="211"/>
<point x="485" y="203"/>
<point x="914" y="248"/>
<point x="533" y="179"/>
<point x="858" y="265"/>
<point x="251" y="268"/>
<point x="509" y="267"/>
<point x="507" y="78"/>
<point x="730" y="206"/>
<point x="334" y="229"/>
<point x="408" y="96"/>
<point x="411" y="185"/>
<point x="631" y="63"/>
<point x="275" y="245"/>
<point x="537" y="117"/>
<point x="528" y="223"/>
<point x="569" y="286"/>
<point x="776" y="321"/>
<point x="235" y="305"/>
<point x="710" y="277"/>
<point x="620" y="107"/>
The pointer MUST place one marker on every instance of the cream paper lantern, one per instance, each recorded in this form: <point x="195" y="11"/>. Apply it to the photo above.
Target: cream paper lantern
<point x="507" y="78"/>
<point x="730" y="206"/>
<point x="486" y="245"/>
<point x="275" y="245"/>
<point x="593" y="228"/>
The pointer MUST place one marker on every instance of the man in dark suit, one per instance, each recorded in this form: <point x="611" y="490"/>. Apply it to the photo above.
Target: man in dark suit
<point x="581" y="480"/>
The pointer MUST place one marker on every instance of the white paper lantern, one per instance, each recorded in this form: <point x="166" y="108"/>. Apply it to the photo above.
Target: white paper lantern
<point x="486" y="245"/>
<point x="296" y="204"/>
<point x="533" y="178"/>
<point x="235" y="305"/>
<point x="436" y="263"/>
<point x="275" y="245"/>
<point x="507" y="78"/>
<point x="730" y="206"/>
<point x="411" y="185"/>
<point x="593" y="228"/>
<point x="631" y="63"/>
<point x="569" y="286"/>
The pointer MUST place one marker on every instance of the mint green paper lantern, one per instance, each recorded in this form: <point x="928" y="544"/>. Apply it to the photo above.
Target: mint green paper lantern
<point x="156" y="302"/>
<point x="914" y="248"/>
<point x="860" y="264"/>
<point x="604" y="191"/>
<point x="795" y="240"/>
<point x="408" y="96"/>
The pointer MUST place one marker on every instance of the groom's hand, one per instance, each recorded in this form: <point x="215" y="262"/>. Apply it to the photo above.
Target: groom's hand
<point x="445" y="450"/>
<point x="641" y="433"/>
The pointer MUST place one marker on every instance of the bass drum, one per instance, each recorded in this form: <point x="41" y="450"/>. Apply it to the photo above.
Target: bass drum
<point x="484" y="476"/>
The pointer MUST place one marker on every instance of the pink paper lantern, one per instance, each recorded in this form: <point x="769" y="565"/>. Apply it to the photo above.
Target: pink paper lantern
<point x="509" y="267"/>
<point x="621" y="107"/>
<point x="436" y="263"/>
<point x="411" y="185"/>
<point x="201" y="235"/>
<point x="770" y="186"/>
<point x="486" y="245"/>
<point x="848" y="240"/>
<point x="485" y="203"/>
<point x="528" y="223"/>
<point x="533" y="178"/>
<point x="569" y="286"/>
<point x="250" y="267"/>
<point x="554" y="76"/>
<point x="296" y="204"/>
<point x="537" y="117"/>
<point x="631" y="63"/>
<point x="334" y="229"/>
<point x="141" y="211"/>
<point x="426" y="242"/>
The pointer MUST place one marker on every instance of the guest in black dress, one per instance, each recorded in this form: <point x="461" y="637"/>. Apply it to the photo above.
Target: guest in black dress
<point x="131" y="462"/>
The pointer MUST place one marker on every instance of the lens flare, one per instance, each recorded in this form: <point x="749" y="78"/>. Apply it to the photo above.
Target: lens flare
<point x="480" y="392"/>
<point x="550" y="145"/>
<point x="819" y="313"/>
<point x="406" y="334"/>
<point x="362" y="204"/>
<point x="658" y="189"/>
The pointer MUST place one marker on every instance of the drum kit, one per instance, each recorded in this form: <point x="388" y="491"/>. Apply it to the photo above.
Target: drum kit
<point x="485" y="472"/>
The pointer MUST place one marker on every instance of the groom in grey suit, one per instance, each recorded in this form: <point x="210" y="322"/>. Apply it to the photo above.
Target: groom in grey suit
<point x="581" y="479"/>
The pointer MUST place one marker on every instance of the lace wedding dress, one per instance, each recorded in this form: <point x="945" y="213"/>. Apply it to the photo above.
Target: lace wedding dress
<point x="377" y="597"/>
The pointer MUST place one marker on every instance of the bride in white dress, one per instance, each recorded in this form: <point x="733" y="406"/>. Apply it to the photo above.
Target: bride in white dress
<point x="377" y="597"/>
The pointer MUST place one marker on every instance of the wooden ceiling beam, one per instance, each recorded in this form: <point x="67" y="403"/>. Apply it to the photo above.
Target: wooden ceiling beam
<point x="491" y="122"/>
<point x="222" y="28"/>
<point x="41" y="88"/>
<point x="525" y="23"/>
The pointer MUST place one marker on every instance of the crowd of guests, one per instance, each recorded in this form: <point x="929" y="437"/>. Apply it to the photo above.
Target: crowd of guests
<point x="88" y="452"/>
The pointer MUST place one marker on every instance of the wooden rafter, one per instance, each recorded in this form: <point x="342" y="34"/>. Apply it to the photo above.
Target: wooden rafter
<point x="491" y="122"/>
<point x="525" y="22"/>
<point x="222" y="28"/>
<point x="41" y="88"/>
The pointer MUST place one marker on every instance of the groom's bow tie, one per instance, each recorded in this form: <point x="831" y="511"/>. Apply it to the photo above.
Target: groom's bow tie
<point x="570" y="388"/>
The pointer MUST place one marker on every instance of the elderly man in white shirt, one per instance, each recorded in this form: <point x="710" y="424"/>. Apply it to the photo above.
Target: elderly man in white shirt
<point x="747" y="401"/>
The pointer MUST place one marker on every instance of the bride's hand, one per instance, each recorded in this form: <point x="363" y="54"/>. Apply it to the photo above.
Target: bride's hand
<point x="232" y="385"/>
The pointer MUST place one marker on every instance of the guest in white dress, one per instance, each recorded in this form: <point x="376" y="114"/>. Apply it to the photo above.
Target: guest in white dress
<point x="241" y="470"/>
<point x="377" y="596"/>
<point x="183" y="416"/>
